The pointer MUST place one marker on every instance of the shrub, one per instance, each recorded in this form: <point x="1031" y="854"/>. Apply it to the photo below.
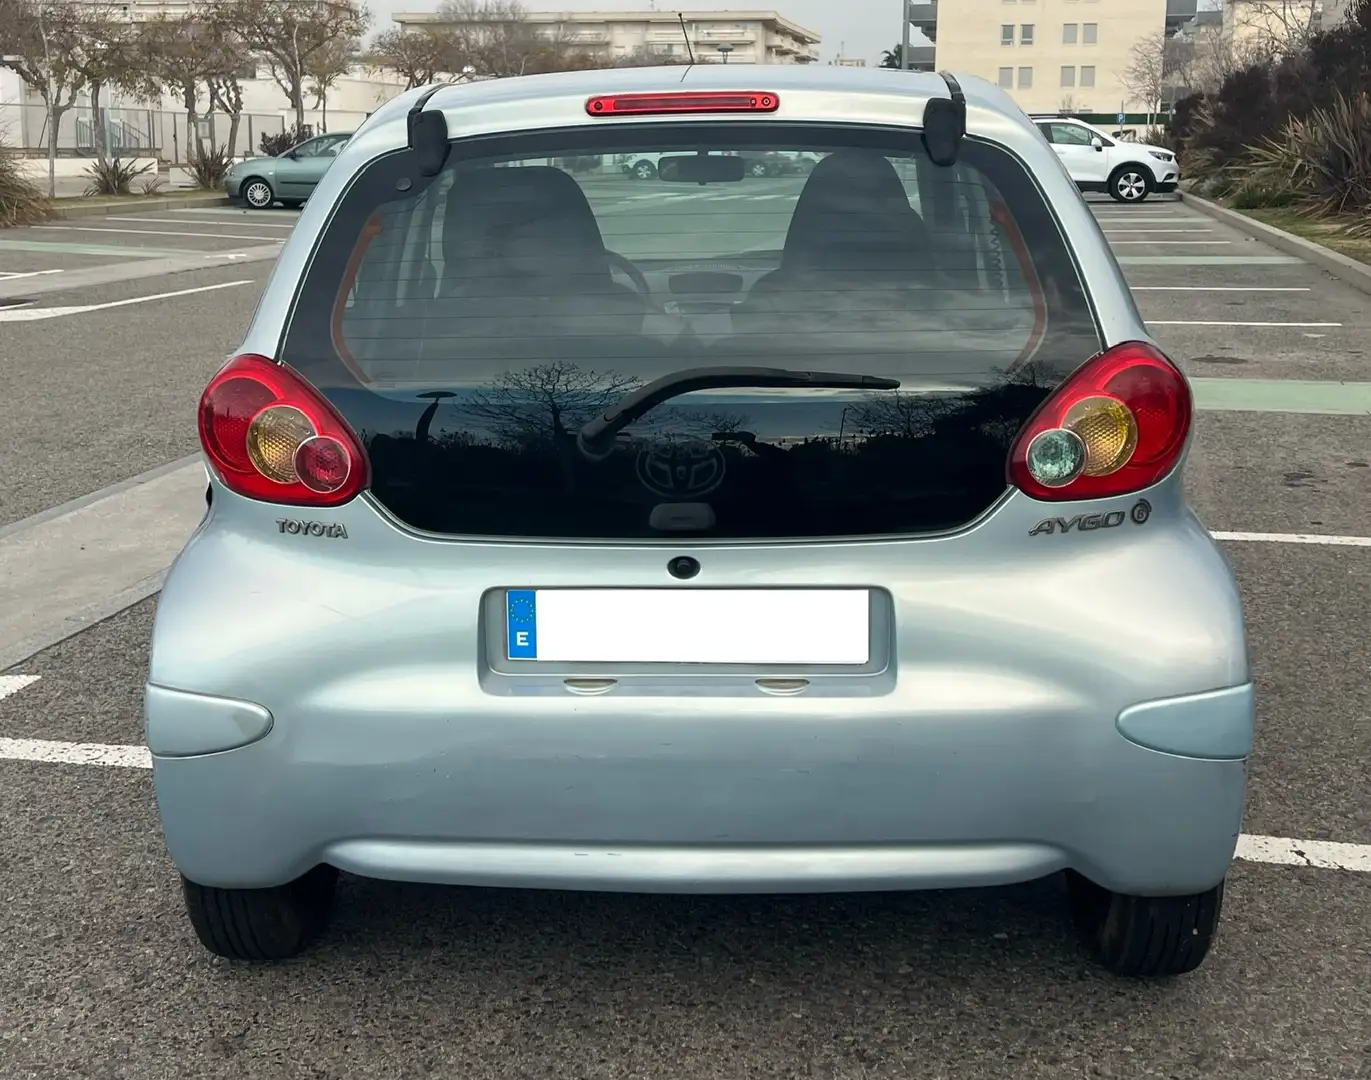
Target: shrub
<point x="153" y="184"/>
<point x="113" y="177"/>
<point x="1183" y="117"/>
<point x="276" y="145"/>
<point x="209" y="167"/>
<point x="1323" y="160"/>
<point x="1155" y="136"/>
<point x="21" y="201"/>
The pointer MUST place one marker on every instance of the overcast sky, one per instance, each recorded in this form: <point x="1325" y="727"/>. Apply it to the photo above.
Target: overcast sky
<point x="862" y="28"/>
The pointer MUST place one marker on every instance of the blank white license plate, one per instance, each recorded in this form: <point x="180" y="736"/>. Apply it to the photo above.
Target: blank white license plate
<point x="689" y="626"/>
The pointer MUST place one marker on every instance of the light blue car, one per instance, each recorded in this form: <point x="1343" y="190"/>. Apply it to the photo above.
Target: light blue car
<point x="289" y="178"/>
<point x="696" y="537"/>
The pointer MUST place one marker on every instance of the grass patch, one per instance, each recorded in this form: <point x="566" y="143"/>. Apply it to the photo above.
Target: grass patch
<point x="1331" y="233"/>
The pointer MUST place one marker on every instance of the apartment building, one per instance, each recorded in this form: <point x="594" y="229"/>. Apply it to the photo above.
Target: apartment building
<point x="733" y="37"/>
<point x="1050" y="55"/>
<point x="1275" y="25"/>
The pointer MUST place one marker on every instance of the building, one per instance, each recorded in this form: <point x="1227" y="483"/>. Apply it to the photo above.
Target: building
<point x="1335" y="11"/>
<point x="1050" y="55"/>
<point x="1272" y="26"/>
<point x="849" y="61"/>
<point x="735" y="37"/>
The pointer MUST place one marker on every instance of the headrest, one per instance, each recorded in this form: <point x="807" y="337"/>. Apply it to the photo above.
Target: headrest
<point x="506" y="229"/>
<point x="853" y="215"/>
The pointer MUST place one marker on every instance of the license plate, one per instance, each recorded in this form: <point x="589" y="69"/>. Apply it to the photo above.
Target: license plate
<point x="689" y="626"/>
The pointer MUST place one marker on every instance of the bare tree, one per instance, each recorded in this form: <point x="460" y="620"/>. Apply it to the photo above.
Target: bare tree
<point x="39" y="40"/>
<point x="107" y="54"/>
<point x="1217" y="53"/>
<point x="547" y="403"/>
<point x="419" y="56"/>
<point x="643" y="57"/>
<point x="230" y="61"/>
<point x="326" y="66"/>
<point x="287" y="34"/>
<point x="179" y="59"/>
<point x="1276" y="27"/>
<point x="496" y="38"/>
<point x="1156" y="64"/>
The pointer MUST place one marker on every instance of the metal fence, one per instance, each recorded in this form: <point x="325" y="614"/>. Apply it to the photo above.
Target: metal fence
<point x="130" y="133"/>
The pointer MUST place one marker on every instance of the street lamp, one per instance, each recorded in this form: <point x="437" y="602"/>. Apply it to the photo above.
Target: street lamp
<point x="724" y="50"/>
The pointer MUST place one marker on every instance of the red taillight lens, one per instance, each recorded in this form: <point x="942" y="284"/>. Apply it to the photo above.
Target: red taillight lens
<point x="1116" y="426"/>
<point x="729" y="101"/>
<point x="271" y="436"/>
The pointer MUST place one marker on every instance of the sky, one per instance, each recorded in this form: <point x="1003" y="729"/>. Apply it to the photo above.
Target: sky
<point x="858" y="28"/>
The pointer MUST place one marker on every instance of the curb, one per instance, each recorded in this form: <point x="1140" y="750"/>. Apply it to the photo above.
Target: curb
<point x="140" y="203"/>
<point x="1348" y="269"/>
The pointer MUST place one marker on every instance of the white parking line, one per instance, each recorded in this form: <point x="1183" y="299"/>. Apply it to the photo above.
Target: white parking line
<point x="1322" y="854"/>
<point x="157" y="232"/>
<point x="1170" y="243"/>
<point x="12" y="684"/>
<point x="1155" y="232"/>
<point x="38" y="314"/>
<point x="15" y="275"/>
<point x="200" y="221"/>
<point x="1322" y="539"/>
<point x="65" y="753"/>
<point x="1206" y="322"/>
<point x="1220" y="288"/>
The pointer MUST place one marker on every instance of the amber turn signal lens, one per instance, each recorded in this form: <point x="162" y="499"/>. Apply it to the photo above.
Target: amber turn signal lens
<point x="1108" y="430"/>
<point x="274" y="436"/>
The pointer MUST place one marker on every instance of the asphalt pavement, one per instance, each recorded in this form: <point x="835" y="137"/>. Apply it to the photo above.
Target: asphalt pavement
<point x="101" y="977"/>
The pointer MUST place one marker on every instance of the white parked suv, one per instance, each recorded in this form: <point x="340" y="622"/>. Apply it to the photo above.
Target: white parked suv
<point x="1097" y="161"/>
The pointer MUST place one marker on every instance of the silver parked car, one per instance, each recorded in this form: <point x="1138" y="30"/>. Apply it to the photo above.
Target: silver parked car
<point x="813" y="533"/>
<point x="289" y="178"/>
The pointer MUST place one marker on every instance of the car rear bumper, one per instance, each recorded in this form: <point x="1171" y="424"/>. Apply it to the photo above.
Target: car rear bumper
<point x="691" y="799"/>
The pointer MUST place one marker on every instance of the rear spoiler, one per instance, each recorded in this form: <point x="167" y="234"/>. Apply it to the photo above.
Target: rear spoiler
<point x="944" y="127"/>
<point x="945" y="123"/>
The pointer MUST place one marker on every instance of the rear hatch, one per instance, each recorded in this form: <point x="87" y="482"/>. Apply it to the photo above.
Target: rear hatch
<point x="470" y="328"/>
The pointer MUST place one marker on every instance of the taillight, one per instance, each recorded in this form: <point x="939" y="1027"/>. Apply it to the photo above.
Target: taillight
<point x="706" y="101"/>
<point x="1116" y="426"/>
<point x="271" y="436"/>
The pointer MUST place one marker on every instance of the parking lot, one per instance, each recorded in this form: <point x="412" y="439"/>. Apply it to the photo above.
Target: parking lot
<point x="109" y="329"/>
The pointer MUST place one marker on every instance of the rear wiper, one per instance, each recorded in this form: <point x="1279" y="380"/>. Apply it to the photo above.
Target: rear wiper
<point x="596" y="439"/>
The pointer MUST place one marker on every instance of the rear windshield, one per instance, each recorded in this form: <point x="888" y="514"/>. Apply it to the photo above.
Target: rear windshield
<point x="471" y="326"/>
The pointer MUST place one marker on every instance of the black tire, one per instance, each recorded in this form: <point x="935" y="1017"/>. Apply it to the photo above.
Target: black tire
<point x="249" y="190"/>
<point x="1145" y="936"/>
<point x="261" y="925"/>
<point x="759" y="168"/>
<point x="644" y="170"/>
<point x="1130" y="184"/>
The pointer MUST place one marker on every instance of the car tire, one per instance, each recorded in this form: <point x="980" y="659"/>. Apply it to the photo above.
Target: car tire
<point x="257" y="193"/>
<point x="759" y="168"/>
<point x="1129" y="184"/>
<point x="261" y="925"/>
<point x="644" y="170"/>
<point x="1145" y="936"/>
